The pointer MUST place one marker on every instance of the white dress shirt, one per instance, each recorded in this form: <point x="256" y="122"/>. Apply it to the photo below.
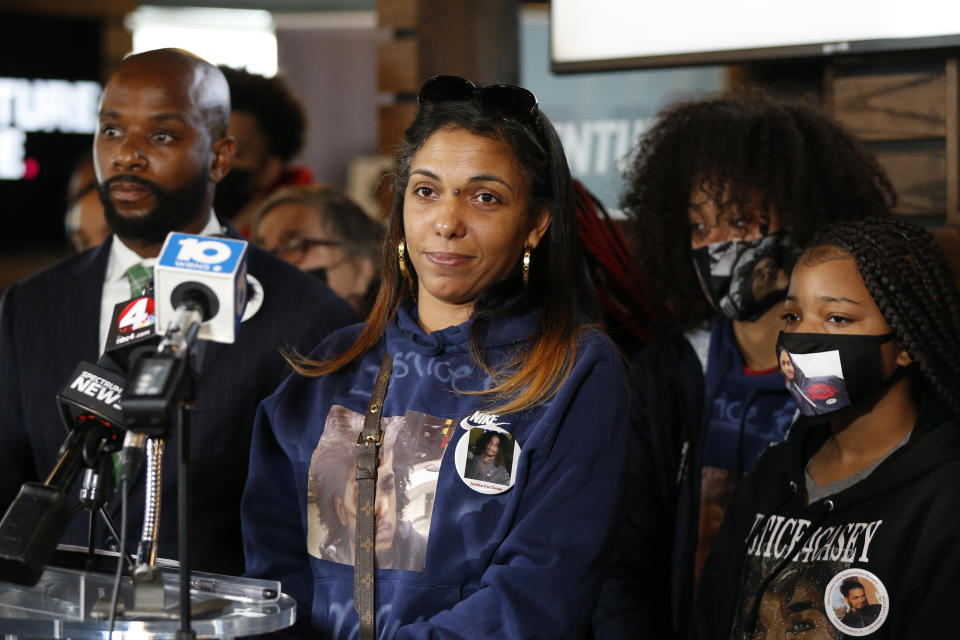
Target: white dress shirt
<point x="116" y="287"/>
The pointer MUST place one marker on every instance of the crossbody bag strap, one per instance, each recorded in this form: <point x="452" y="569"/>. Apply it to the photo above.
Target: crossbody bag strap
<point x="368" y="447"/>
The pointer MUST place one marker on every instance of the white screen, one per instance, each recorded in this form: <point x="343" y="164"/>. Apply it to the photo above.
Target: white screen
<point x="603" y="30"/>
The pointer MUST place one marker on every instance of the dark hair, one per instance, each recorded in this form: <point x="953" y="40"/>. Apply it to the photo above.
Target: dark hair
<point x="359" y="233"/>
<point x="909" y="278"/>
<point x="750" y="151"/>
<point x="335" y="456"/>
<point x="504" y="455"/>
<point x="559" y="284"/>
<point x="276" y="109"/>
<point x="850" y="584"/>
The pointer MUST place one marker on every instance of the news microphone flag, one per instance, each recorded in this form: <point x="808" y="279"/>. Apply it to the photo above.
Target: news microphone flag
<point x="92" y="393"/>
<point x="132" y="332"/>
<point x="213" y="268"/>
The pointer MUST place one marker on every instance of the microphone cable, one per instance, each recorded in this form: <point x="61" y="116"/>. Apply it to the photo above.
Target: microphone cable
<point x="115" y="595"/>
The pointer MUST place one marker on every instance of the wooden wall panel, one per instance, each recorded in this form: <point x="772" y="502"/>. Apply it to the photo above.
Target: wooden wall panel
<point x="394" y="120"/>
<point x="919" y="176"/>
<point x="398" y="65"/>
<point x="953" y="139"/>
<point x="477" y="39"/>
<point x="894" y="106"/>
<point x="398" y="14"/>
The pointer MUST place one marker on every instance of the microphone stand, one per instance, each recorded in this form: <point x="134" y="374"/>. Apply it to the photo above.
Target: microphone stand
<point x="147" y="581"/>
<point x="160" y="392"/>
<point x="37" y="518"/>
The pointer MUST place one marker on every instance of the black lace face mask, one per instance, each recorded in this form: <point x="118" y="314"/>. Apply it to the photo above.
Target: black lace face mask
<point x="743" y="279"/>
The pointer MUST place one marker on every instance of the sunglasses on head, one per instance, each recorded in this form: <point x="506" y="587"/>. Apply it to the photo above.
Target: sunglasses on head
<point x="504" y="99"/>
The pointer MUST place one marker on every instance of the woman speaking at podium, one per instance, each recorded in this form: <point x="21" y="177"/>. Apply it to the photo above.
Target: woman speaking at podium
<point x="359" y="500"/>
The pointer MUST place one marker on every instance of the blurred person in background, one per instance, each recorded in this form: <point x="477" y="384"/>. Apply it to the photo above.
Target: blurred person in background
<point x="269" y="124"/>
<point x="84" y="222"/>
<point x="320" y="230"/>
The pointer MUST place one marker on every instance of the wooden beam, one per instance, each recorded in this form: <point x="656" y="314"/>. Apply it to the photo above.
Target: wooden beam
<point x="891" y="106"/>
<point x="953" y="139"/>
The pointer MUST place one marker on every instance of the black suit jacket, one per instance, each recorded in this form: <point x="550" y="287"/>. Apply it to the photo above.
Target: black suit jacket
<point x="50" y="323"/>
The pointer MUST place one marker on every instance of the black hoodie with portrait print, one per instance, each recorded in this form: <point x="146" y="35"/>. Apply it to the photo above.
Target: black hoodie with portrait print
<point x="895" y="533"/>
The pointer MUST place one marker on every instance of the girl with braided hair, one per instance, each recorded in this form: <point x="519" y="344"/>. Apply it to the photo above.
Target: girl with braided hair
<point x="723" y="193"/>
<point x="863" y="494"/>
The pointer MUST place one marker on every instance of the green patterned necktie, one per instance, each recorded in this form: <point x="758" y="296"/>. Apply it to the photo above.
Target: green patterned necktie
<point x="139" y="278"/>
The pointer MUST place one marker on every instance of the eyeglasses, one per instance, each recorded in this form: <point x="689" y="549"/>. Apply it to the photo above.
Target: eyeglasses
<point x="299" y="246"/>
<point x="504" y="99"/>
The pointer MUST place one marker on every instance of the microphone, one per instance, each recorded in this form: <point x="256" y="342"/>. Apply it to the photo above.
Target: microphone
<point x="35" y="520"/>
<point x="132" y="332"/>
<point x="203" y="274"/>
<point x="92" y="396"/>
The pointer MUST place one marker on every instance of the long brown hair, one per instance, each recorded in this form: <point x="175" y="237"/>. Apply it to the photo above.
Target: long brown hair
<point x="559" y="286"/>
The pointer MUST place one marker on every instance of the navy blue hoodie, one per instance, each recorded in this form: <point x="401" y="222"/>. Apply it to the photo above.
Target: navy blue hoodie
<point x="467" y="558"/>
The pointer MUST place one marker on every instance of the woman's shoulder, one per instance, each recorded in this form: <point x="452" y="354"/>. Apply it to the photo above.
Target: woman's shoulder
<point x="337" y="342"/>
<point x="299" y="388"/>
<point x="595" y="345"/>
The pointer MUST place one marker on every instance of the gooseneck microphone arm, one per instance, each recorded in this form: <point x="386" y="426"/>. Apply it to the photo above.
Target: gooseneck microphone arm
<point x="147" y="549"/>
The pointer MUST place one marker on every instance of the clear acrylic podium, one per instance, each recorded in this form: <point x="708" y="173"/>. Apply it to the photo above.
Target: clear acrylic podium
<point x="68" y="603"/>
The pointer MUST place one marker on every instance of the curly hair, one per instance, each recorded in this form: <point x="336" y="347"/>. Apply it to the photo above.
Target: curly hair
<point x="750" y="151"/>
<point x="277" y="110"/>
<point x="909" y="278"/>
<point x="504" y="457"/>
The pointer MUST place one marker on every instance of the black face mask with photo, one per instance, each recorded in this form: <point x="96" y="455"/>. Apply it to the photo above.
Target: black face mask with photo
<point x="743" y="279"/>
<point x="826" y="373"/>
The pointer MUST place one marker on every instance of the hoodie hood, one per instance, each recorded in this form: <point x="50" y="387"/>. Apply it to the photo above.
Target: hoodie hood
<point x="929" y="447"/>
<point x="405" y="333"/>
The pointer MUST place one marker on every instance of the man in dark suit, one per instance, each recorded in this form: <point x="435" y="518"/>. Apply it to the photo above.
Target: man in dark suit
<point x="160" y="149"/>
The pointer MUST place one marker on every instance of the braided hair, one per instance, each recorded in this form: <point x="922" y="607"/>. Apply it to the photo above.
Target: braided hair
<point x="619" y="287"/>
<point x="909" y="278"/>
<point x="752" y="152"/>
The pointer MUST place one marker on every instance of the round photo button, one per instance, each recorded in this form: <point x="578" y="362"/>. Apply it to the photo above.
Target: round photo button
<point x="856" y="602"/>
<point x="486" y="459"/>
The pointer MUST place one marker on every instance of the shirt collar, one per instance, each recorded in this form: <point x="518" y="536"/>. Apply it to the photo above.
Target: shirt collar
<point x="123" y="257"/>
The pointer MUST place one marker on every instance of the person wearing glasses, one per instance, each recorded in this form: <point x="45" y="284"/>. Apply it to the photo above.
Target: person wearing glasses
<point x="485" y="319"/>
<point x="323" y="232"/>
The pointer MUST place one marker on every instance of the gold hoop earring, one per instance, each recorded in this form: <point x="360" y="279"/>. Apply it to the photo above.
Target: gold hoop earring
<point x="401" y="256"/>
<point x="526" y="265"/>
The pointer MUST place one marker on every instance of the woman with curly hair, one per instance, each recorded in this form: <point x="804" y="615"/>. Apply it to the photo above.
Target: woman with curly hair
<point x="723" y="193"/>
<point x="864" y="491"/>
